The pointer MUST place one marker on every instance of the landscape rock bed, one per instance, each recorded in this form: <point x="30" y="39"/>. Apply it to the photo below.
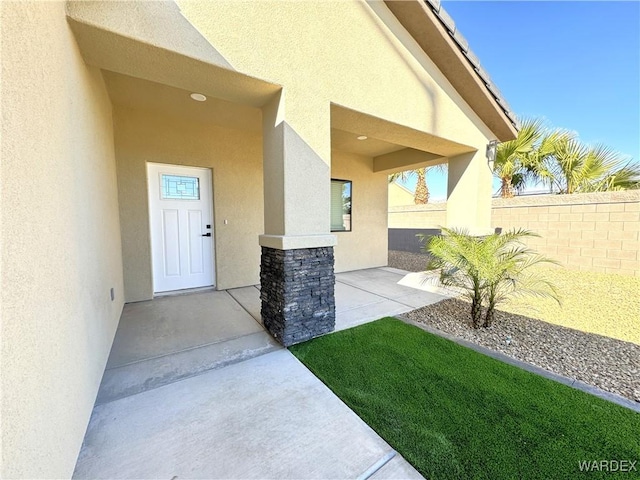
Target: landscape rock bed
<point x="412" y="262"/>
<point x="609" y="364"/>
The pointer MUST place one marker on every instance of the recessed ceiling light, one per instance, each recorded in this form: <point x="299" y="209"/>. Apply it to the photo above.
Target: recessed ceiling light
<point x="362" y="137"/>
<point x="198" y="97"/>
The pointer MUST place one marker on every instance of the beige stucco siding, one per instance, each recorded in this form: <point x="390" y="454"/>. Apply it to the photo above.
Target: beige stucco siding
<point x="330" y="59"/>
<point x="365" y="246"/>
<point x="235" y="158"/>
<point x="60" y="241"/>
<point x="399" y="196"/>
<point x="357" y="55"/>
<point x="352" y="53"/>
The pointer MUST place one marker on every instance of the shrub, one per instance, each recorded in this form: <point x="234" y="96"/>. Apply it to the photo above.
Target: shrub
<point x="488" y="270"/>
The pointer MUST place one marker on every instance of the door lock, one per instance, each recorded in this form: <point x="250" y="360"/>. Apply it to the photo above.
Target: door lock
<point x="206" y="234"/>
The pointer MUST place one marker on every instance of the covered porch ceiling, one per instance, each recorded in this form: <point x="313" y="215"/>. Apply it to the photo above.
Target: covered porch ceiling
<point x="163" y="99"/>
<point x="393" y="147"/>
<point x="170" y="52"/>
<point x="157" y="69"/>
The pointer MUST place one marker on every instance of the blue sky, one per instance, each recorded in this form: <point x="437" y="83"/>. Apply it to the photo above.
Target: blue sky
<point x="576" y="64"/>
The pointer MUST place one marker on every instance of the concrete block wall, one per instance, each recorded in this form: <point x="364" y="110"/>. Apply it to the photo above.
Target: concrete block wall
<point x="596" y="232"/>
<point x="431" y="215"/>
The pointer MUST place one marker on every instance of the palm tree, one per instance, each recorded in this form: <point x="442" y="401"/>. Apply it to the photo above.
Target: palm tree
<point x="577" y="168"/>
<point x="489" y="269"/>
<point x="626" y="177"/>
<point x="538" y="161"/>
<point x="558" y="159"/>
<point x="421" y="195"/>
<point x="512" y="164"/>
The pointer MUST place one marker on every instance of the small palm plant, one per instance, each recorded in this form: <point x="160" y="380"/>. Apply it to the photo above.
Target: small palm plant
<point x="489" y="269"/>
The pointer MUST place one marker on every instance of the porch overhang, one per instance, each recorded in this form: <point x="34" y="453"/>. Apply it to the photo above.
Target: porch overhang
<point x="394" y="147"/>
<point x="170" y="51"/>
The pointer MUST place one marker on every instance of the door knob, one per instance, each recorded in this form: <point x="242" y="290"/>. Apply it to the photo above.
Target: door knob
<point x="206" y="234"/>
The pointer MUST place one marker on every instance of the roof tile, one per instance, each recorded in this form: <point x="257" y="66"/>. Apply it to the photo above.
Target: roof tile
<point x="461" y="41"/>
<point x="473" y="58"/>
<point x="446" y="19"/>
<point x="435" y="4"/>
<point x="463" y="45"/>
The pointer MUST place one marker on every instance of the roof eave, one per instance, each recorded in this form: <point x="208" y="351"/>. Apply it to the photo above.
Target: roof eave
<point x="456" y="62"/>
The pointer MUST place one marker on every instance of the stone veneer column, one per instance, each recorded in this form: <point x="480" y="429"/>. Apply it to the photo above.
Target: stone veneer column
<point x="296" y="273"/>
<point x="297" y="293"/>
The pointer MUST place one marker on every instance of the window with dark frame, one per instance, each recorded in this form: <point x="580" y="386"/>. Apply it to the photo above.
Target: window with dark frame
<point x="340" y="205"/>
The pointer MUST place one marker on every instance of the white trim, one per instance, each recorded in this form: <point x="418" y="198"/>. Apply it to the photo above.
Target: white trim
<point x="292" y="242"/>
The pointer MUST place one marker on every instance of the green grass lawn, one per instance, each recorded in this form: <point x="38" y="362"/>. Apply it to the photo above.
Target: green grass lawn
<point x="602" y="303"/>
<point x="454" y="413"/>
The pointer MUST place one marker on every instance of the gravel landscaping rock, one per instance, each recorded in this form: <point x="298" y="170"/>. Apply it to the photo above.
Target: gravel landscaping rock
<point x="609" y="364"/>
<point x="411" y="262"/>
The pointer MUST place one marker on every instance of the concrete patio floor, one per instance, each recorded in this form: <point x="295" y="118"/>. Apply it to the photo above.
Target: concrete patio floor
<point x="361" y="296"/>
<point x="196" y="388"/>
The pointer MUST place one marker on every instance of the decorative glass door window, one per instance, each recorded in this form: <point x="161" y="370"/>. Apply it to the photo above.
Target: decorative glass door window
<point x="175" y="187"/>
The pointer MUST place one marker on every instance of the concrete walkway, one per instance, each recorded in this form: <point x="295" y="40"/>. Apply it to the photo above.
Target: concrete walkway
<point x="196" y="388"/>
<point x="362" y="295"/>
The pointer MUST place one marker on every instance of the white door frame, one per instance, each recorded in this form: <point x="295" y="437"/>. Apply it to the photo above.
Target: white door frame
<point x="190" y="262"/>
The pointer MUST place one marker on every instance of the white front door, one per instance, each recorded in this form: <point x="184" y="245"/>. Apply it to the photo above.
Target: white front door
<point x="181" y="219"/>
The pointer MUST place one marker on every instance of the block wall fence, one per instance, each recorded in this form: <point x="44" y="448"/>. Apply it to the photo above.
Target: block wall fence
<point x="597" y="232"/>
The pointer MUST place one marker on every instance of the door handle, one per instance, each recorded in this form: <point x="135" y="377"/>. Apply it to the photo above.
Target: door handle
<point x="206" y="234"/>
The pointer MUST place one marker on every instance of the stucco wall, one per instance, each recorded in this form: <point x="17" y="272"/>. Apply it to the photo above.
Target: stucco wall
<point x="60" y="241"/>
<point x="357" y="55"/>
<point x="328" y="57"/>
<point x="352" y="53"/>
<point x="365" y="246"/>
<point x="399" y="196"/>
<point x="235" y="158"/>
